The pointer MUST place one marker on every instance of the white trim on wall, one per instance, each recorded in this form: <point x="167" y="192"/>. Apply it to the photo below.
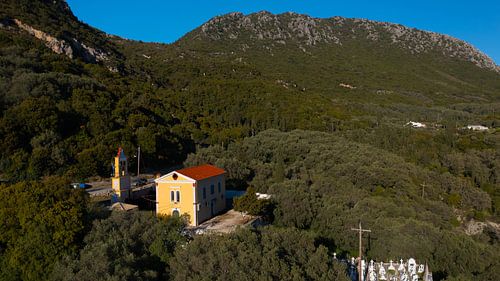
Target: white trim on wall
<point x="156" y="198"/>
<point x="174" y="182"/>
<point x="162" y="178"/>
<point x="195" y="211"/>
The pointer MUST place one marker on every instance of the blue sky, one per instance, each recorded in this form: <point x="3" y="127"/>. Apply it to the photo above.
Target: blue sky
<point x="477" y="22"/>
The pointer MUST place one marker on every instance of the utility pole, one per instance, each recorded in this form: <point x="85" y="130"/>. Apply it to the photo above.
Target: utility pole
<point x="423" y="185"/>
<point x="138" y="161"/>
<point x="360" y="231"/>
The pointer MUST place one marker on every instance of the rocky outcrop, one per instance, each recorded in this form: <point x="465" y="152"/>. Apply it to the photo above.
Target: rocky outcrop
<point x="56" y="45"/>
<point x="418" y="41"/>
<point x="71" y="48"/>
<point x="307" y="31"/>
<point x="264" y="25"/>
<point x="473" y="227"/>
<point x="91" y="54"/>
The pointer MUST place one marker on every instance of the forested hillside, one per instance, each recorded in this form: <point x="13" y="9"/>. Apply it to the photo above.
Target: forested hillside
<point x="201" y="90"/>
<point x="325" y="184"/>
<point x="310" y="110"/>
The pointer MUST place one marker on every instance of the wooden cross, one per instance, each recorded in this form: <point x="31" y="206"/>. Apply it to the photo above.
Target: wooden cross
<point x="360" y="231"/>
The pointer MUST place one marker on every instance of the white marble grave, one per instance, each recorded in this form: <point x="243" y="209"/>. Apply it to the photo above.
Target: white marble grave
<point x="409" y="270"/>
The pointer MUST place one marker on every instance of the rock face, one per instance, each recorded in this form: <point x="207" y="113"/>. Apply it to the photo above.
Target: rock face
<point x="264" y="25"/>
<point x="473" y="227"/>
<point x="91" y="54"/>
<point x="60" y="46"/>
<point x="56" y="45"/>
<point x="308" y="31"/>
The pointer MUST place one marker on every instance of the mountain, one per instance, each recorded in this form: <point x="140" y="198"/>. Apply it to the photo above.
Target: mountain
<point x="230" y="78"/>
<point x="264" y="28"/>
<point x="312" y="110"/>
<point x="324" y="55"/>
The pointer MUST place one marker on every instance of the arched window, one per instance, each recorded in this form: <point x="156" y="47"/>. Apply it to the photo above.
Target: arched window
<point x="175" y="214"/>
<point x="123" y="167"/>
<point x="178" y="196"/>
<point x="172" y="196"/>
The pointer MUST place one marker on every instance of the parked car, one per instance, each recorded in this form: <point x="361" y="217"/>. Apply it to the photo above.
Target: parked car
<point x="78" y="185"/>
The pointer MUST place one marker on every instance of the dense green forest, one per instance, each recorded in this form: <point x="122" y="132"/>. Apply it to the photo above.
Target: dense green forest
<point x="324" y="184"/>
<point x="276" y="118"/>
<point x="67" y="116"/>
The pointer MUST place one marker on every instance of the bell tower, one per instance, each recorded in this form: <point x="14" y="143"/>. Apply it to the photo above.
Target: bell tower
<point x="121" y="178"/>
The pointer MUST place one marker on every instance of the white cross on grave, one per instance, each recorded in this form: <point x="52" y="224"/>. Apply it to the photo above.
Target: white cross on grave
<point x="401" y="267"/>
<point x="381" y="272"/>
<point x="371" y="272"/>
<point x="391" y="266"/>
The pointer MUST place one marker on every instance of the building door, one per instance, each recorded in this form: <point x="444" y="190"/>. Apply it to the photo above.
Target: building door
<point x="175" y="214"/>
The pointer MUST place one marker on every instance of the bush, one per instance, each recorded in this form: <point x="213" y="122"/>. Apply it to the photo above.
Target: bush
<point x="250" y="204"/>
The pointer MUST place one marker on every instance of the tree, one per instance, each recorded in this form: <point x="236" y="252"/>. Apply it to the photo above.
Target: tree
<point x="267" y="254"/>
<point x="330" y="182"/>
<point x="41" y="222"/>
<point x="249" y="203"/>
<point x="125" y="246"/>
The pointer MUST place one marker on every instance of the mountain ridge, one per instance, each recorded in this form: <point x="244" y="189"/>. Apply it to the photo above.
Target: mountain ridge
<point x="305" y="30"/>
<point x="335" y="30"/>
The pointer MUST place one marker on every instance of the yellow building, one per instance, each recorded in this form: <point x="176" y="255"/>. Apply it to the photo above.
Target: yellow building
<point x="120" y="181"/>
<point x="196" y="191"/>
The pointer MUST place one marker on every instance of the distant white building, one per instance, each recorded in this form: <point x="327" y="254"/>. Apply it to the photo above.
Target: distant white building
<point x="477" y="128"/>
<point x="416" y="124"/>
<point x="263" y="196"/>
<point x="347" y="86"/>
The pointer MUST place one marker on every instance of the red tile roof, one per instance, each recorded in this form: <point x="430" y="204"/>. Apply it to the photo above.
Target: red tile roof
<point x="201" y="172"/>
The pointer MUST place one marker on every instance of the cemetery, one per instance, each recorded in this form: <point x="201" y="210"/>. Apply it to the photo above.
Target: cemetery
<point x="408" y="270"/>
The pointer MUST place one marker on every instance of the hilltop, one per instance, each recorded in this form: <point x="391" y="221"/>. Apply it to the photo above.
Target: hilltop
<point x="305" y="31"/>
